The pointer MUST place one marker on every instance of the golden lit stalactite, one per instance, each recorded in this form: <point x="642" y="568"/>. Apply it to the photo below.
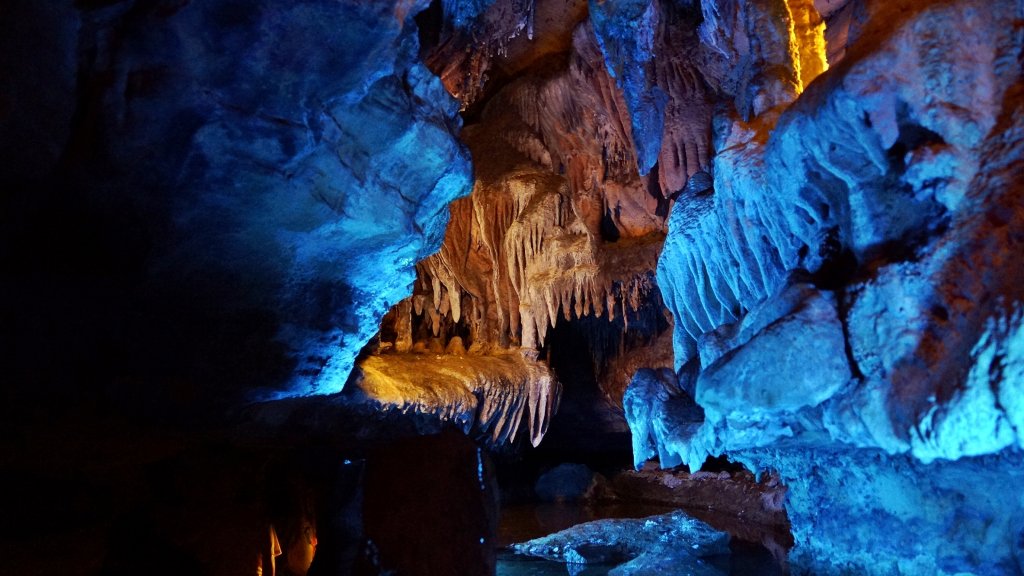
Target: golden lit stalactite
<point x="559" y="224"/>
<point x="555" y="171"/>
<point x="490" y="396"/>
<point x="806" y="41"/>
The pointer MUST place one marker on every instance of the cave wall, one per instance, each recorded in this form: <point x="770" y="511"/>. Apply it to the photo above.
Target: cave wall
<point x="907" y="184"/>
<point x="836" y="188"/>
<point x="847" y="297"/>
<point x="230" y="177"/>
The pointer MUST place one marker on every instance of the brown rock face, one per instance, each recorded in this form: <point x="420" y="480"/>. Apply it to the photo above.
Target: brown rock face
<point x="584" y="129"/>
<point x="560" y="223"/>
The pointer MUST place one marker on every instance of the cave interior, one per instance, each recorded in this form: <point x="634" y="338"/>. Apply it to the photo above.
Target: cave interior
<point x="509" y="287"/>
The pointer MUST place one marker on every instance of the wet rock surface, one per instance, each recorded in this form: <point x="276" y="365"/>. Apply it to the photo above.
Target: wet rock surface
<point x="870" y="181"/>
<point x="647" y="545"/>
<point x="734" y="502"/>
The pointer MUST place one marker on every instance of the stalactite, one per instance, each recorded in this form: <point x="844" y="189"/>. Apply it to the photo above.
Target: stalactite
<point x="488" y="397"/>
<point x="526" y="251"/>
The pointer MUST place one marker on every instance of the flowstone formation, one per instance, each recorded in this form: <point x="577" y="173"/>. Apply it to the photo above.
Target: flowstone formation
<point x="847" y="296"/>
<point x="487" y="397"/>
<point x="563" y="227"/>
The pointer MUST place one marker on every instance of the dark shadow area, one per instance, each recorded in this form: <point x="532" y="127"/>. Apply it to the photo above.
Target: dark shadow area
<point x="431" y="508"/>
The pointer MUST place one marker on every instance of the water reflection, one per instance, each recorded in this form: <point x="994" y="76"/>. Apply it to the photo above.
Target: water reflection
<point x="510" y="564"/>
<point x="419" y="506"/>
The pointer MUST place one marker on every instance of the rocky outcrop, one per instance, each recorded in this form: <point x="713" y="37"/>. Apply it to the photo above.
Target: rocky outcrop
<point x="487" y="396"/>
<point x="866" y="511"/>
<point x="653" y="545"/>
<point x="495" y="399"/>
<point x="750" y="510"/>
<point x="848" y="294"/>
<point x="914" y="249"/>
<point x="560" y="225"/>
<point x="268" y="169"/>
<point x="757" y="377"/>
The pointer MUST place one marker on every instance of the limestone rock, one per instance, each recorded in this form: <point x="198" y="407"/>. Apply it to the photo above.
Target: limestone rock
<point x="658" y="411"/>
<point x="893" y="189"/>
<point x="560" y="225"/>
<point x="791" y="364"/>
<point x="494" y="399"/>
<point x="490" y="397"/>
<point x="751" y="510"/>
<point x="765" y="389"/>
<point x="899" y="515"/>
<point x="272" y="160"/>
<point x="673" y="539"/>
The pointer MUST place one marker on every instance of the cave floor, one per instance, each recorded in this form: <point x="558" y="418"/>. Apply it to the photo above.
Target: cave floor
<point x="75" y="477"/>
<point x="522" y="522"/>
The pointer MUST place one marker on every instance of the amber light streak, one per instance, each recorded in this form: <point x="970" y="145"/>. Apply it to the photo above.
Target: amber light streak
<point x="806" y="41"/>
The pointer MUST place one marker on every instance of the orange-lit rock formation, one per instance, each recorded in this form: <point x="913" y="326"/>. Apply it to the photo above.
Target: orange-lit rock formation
<point x="583" y="135"/>
<point x="560" y="224"/>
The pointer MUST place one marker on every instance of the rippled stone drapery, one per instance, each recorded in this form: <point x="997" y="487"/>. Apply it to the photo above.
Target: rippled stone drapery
<point x="848" y="298"/>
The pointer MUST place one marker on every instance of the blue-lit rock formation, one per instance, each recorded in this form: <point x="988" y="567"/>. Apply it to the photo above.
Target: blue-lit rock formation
<point x="673" y="543"/>
<point x="340" y="165"/>
<point x="297" y="155"/>
<point x="653" y="51"/>
<point x="847" y="297"/>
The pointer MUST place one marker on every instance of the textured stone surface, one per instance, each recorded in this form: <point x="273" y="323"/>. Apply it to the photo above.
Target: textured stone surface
<point x="653" y="545"/>
<point x="271" y="159"/>
<point x="485" y="396"/>
<point x="870" y="206"/>
<point x="659" y="411"/>
<point x="766" y="388"/>
<point x="892" y="179"/>
<point x="750" y="395"/>
<point x="899" y="516"/>
<point x="651" y="49"/>
<point x="560" y="227"/>
<point x="493" y="399"/>
<point x="748" y="509"/>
